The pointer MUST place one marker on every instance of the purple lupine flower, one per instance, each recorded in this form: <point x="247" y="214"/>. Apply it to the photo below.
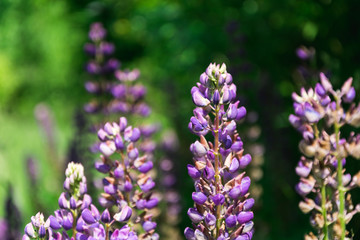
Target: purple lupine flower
<point x="128" y="95"/>
<point x="319" y="116"/>
<point x="127" y="171"/>
<point x="79" y="216"/>
<point x="38" y="227"/>
<point x="216" y="198"/>
<point x="305" y="53"/>
<point x="101" y="67"/>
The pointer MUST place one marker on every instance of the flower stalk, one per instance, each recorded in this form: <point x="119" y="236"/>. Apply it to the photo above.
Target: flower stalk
<point x="321" y="169"/>
<point x="221" y="204"/>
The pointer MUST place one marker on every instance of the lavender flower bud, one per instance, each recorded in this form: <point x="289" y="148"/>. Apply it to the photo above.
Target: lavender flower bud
<point x="194" y="215"/>
<point x="140" y="204"/>
<point x="105" y="216"/>
<point x="153" y="202"/>
<point x="144" y="168"/>
<point x="237" y="146"/>
<point x="199" y="197"/>
<point x="128" y="186"/>
<point x="231" y="221"/>
<point x="248" y="204"/>
<point x="325" y="82"/>
<point x="244" y="217"/>
<point x="208" y="173"/>
<point x="73" y="203"/>
<point x="350" y="95"/>
<point x="107" y="148"/>
<point x="101" y="167"/>
<point x="311" y="114"/>
<point x="320" y="90"/>
<point x="199" y="100"/>
<point x="29" y="230"/>
<point x="54" y="224"/>
<point x="119" y="144"/>
<point x="233" y="111"/>
<point x="124" y="215"/>
<point x="88" y="217"/>
<point x="97" y="32"/>
<point x="133" y="154"/>
<point x="241" y="113"/>
<point x="42" y="231"/>
<point x="305" y="186"/>
<point x="210" y="219"/>
<point x="148" y="185"/>
<point x="122" y="123"/>
<point x="148" y="226"/>
<point x="193" y="172"/>
<point x="198" y="149"/>
<point x="234" y="166"/>
<point x="244" y="161"/>
<point x="63" y="202"/>
<point x="241" y="189"/>
<point x="189" y="234"/>
<point x="218" y="199"/>
<point x="216" y="97"/>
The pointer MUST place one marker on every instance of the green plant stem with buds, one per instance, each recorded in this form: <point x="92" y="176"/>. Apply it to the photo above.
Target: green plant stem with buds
<point x="341" y="188"/>
<point x="323" y="197"/>
<point x="323" y="211"/>
<point x="74" y="222"/>
<point x="340" y="184"/>
<point x="107" y="228"/>
<point x="217" y="174"/>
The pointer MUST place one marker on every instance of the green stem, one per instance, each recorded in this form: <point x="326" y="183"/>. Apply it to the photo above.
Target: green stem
<point x="74" y="222"/>
<point x="217" y="172"/>
<point x="323" y="196"/>
<point x="323" y="210"/>
<point x="340" y="183"/>
<point x="127" y="194"/>
<point x="107" y="231"/>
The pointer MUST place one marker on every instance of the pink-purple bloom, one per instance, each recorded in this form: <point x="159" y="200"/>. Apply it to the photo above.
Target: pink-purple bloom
<point x="319" y="115"/>
<point x="217" y="199"/>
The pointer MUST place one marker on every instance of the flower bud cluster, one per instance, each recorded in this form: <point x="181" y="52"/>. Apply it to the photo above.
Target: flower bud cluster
<point x="101" y="67"/>
<point x="128" y="185"/>
<point x="222" y="209"/>
<point x="113" y="97"/>
<point x="323" y="182"/>
<point x="78" y="218"/>
<point x="306" y="70"/>
<point x="128" y="94"/>
<point x="38" y="228"/>
<point x="100" y="50"/>
<point x="71" y="203"/>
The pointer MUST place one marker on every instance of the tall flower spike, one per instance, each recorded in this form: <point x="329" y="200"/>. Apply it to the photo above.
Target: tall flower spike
<point x="319" y="115"/>
<point x="71" y="202"/>
<point x="123" y="96"/>
<point x="38" y="228"/>
<point x="220" y="210"/>
<point x="101" y="67"/>
<point x="127" y="186"/>
<point x="77" y="218"/>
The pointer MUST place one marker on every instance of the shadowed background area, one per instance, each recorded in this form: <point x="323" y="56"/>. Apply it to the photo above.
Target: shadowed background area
<point x="42" y="78"/>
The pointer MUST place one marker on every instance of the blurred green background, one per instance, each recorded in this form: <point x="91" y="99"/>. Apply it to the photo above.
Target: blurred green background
<point x="171" y="42"/>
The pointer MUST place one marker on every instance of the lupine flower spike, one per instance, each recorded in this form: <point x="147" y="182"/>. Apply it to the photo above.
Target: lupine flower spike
<point x="78" y="218"/>
<point x="101" y="68"/>
<point x="222" y="209"/>
<point x="123" y="96"/>
<point x="320" y="114"/>
<point x="127" y="185"/>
